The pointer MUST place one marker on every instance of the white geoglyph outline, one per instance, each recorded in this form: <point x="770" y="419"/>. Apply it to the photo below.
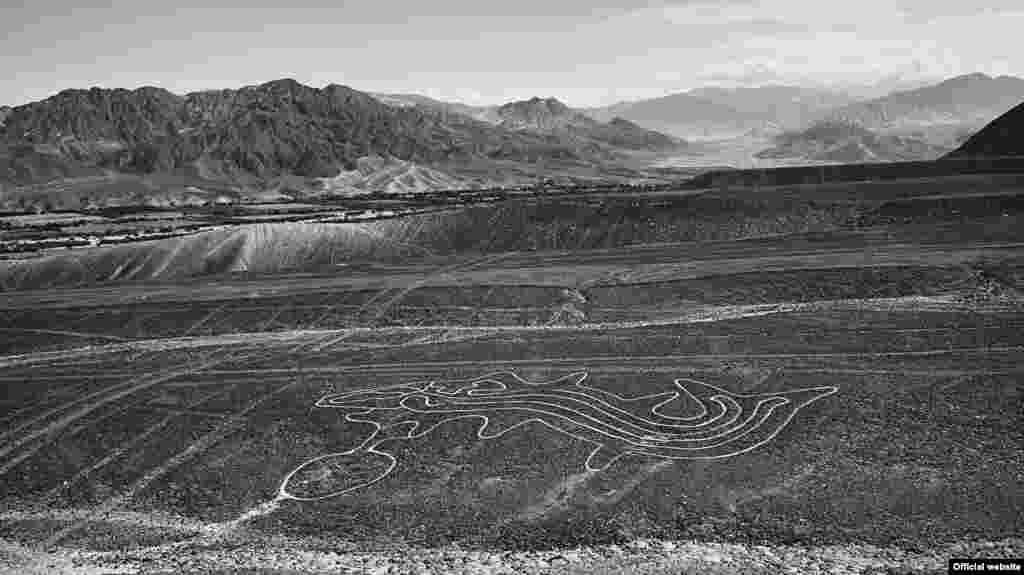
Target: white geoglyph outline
<point x="608" y="418"/>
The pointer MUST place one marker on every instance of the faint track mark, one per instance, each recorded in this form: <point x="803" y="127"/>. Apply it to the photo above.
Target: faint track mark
<point x="635" y="481"/>
<point x="55" y="410"/>
<point x="130" y="444"/>
<point x="66" y="434"/>
<point x="231" y="425"/>
<point x="402" y="292"/>
<point x="204" y="319"/>
<point x="555" y="499"/>
<point x="101" y="400"/>
<point x="50" y="394"/>
<point x="68" y="333"/>
<point x="418" y="366"/>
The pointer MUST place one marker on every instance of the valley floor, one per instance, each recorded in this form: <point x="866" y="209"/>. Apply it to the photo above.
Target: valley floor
<point x="148" y="426"/>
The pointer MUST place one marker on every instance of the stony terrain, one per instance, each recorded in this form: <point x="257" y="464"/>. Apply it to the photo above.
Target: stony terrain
<point x="240" y="554"/>
<point x="158" y="395"/>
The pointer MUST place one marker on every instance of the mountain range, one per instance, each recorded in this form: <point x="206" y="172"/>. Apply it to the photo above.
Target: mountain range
<point x="277" y="127"/>
<point x="780" y="125"/>
<point x="549" y="117"/>
<point x="717" y="112"/>
<point x="970" y="100"/>
<point x="285" y="137"/>
<point x="940" y="113"/>
<point x="258" y="135"/>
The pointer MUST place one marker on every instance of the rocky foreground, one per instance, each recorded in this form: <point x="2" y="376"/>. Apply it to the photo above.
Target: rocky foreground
<point x="272" y="554"/>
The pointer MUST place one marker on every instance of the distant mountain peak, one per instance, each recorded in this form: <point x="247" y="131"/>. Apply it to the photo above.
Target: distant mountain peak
<point x="542" y="114"/>
<point x="550" y="117"/>
<point x="549" y="104"/>
<point x="284" y="84"/>
<point x="973" y="76"/>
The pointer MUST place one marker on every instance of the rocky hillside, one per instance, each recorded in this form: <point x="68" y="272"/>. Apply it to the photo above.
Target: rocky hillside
<point x="1003" y="137"/>
<point x="254" y="136"/>
<point x="551" y="118"/>
<point x="627" y="134"/>
<point x="848" y="142"/>
<point x="390" y="175"/>
<point x="548" y="118"/>
<point x="277" y="127"/>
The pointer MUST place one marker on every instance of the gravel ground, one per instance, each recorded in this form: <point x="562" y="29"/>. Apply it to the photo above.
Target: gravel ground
<point x="275" y="555"/>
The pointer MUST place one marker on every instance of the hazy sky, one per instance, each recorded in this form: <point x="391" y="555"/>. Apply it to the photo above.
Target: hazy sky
<point x="584" y="52"/>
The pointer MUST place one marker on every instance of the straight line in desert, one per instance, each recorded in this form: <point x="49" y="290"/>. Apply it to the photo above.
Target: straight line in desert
<point x="227" y="427"/>
<point x="401" y="293"/>
<point x="134" y="441"/>
<point x="69" y="433"/>
<point x="875" y="258"/>
<point x="705" y="315"/>
<point x="63" y="422"/>
<point x="400" y="366"/>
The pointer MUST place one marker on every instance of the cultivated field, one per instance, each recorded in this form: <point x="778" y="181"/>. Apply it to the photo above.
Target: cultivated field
<point x="258" y="397"/>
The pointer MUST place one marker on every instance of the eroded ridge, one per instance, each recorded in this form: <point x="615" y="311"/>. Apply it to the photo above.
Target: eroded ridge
<point x="723" y="424"/>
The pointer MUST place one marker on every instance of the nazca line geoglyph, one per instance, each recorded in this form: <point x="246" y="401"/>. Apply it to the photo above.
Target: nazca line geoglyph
<point x="726" y="425"/>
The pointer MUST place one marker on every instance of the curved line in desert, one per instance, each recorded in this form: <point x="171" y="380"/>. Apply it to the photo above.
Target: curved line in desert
<point x="595" y="416"/>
